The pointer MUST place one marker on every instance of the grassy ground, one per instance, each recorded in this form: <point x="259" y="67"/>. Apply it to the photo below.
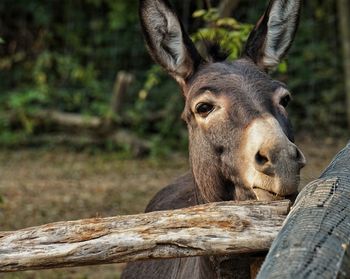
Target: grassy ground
<point x="41" y="186"/>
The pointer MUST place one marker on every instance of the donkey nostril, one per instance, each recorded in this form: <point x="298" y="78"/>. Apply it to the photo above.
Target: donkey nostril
<point x="260" y="159"/>
<point x="219" y="149"/>
<point x="263" y="164"/>
<point x="300" y="158"/>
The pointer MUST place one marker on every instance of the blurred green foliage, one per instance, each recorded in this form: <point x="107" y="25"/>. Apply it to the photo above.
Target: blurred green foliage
<point x="230" y="33"/>
<point x="65" y="55"/>
<point x="315" y="73"/>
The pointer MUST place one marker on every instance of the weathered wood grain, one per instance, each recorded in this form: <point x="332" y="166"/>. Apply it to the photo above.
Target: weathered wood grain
<point x="217" y="228"/>
<point x="315" y="239"/>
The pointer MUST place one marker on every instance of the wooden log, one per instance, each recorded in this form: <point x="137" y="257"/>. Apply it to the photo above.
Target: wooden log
<point x="73" y="120"/>
<point x="82" y="130"/>
<point x="216" y="228"/>
<point x="315" y="239"/>
<point x="78" y="121"/>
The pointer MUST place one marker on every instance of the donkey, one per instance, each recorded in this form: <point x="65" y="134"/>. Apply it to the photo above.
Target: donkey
<point x="240" y="139"/>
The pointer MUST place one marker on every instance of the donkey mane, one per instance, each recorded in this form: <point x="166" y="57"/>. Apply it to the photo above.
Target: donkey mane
<point x="215" y="52"/>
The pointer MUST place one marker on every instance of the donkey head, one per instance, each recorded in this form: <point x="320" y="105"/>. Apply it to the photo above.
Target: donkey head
<point x="241" y="141"/>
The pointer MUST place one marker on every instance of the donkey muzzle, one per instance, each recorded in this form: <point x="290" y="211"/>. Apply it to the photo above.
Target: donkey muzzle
<point x="273" y="161"/>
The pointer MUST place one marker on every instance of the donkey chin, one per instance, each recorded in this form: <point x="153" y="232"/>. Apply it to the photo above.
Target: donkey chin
<point x="267" y="188"/>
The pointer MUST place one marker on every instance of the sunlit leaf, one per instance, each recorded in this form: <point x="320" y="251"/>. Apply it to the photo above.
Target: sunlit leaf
<point x="283" y="67"/>
<point x="199" y="13"/>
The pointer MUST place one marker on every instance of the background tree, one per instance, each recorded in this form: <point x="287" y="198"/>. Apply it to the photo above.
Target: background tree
<point x="344" y="27"/>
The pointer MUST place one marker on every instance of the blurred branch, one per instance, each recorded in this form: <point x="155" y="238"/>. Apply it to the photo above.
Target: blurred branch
<point x="78" y="121"/>
<point x="97" y="131"/>
<point x="137" y="146"/>
<point x="207" y="4"/>
<point x="226" y="7"/>
<point x="73" y="120"/>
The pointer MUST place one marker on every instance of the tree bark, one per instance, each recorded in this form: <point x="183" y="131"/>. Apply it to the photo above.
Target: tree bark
<point x="315" y="239"/>
<point x="211" y="229"/>
<point x="344" y="27"/>
<point x="121" y="86"/>
<point x="227" y="6"/>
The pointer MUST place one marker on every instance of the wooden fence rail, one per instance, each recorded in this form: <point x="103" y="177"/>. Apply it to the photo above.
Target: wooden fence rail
<point x="315" y="239"/>
<point x="217" y="228"/>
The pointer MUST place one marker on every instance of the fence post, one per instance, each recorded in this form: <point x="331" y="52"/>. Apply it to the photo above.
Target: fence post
<point x="315" y="238"/>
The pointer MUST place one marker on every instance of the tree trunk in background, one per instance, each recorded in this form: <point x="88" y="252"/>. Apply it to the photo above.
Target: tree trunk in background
<point x="227" y="6"/>
<point x="186" y="14"/>
<point x="121" y="85"/>
<point x="344" y="27"/>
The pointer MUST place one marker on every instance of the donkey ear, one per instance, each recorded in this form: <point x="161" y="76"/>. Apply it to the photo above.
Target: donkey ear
<point x="167" y="41"/>
<point x="273" y="35"/>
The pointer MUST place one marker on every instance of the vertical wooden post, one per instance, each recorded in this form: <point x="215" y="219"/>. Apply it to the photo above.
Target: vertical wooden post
<point x="121" y="85"/>
<point x="344" y="28"/>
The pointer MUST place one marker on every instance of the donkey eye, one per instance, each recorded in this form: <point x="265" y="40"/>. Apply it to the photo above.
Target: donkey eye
<point x="285" y="101"/>
<point x="203" y="109"/>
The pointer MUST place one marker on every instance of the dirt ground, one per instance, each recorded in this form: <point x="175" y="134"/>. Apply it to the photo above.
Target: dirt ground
<point x="39" y="186"/>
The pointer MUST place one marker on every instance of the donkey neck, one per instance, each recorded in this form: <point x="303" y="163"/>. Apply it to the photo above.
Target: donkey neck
<point x="210" y="183"/>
